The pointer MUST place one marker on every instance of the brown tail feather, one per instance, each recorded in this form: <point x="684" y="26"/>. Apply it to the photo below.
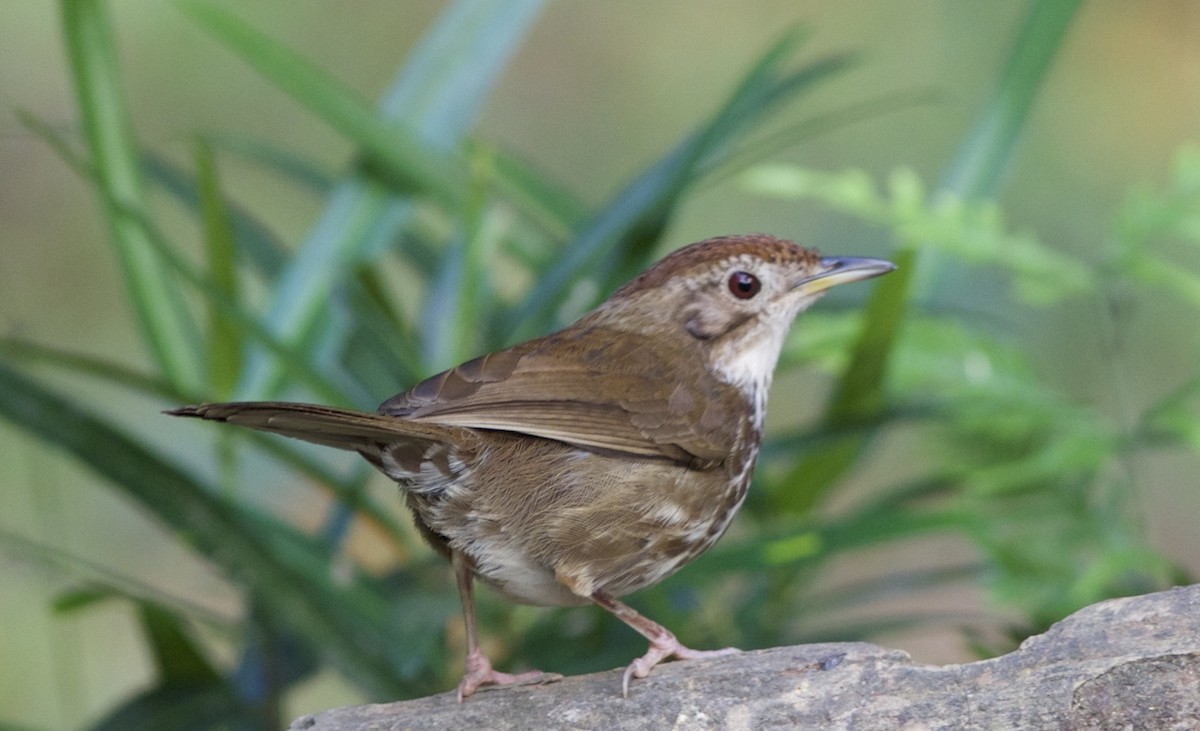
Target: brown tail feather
<point x="332" y="427"/>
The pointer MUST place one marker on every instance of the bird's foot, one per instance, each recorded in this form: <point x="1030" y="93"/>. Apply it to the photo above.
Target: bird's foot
<point x="480" y="673"/>
<point x="663" y="646"/>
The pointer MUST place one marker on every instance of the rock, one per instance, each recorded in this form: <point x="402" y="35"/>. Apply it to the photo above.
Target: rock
<point x="1129" y="663"/>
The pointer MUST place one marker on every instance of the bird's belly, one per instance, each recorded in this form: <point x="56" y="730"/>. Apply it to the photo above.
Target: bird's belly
<point x="560" y="523"/>
<point x="511" y="570"/>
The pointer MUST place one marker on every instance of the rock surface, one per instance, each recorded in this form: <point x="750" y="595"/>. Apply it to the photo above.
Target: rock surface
<point x="1130" y="663"/>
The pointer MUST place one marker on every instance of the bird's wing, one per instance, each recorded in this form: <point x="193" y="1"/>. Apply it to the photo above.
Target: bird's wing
<point x="639" y="397"/>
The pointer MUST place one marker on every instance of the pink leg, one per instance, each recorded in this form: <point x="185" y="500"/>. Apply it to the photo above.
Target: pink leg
<point x="662" y="642"/>
<point x="479" y="668"/>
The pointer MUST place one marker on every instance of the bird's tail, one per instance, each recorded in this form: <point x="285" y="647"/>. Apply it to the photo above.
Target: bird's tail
<point x="326" y="425"/>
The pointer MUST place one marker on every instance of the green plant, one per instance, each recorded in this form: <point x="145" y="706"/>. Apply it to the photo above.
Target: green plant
<point x="1032" y="477"/>
<point x="1041" y="483"/>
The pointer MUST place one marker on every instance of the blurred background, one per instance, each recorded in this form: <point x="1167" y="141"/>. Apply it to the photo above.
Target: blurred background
<point x="592" y="95"/>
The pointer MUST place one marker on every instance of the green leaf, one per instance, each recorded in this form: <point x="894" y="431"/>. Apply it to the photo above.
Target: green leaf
<point x="1176" y="416"/>
<point x="59" y="144"/>
<point x="768" y="146"/>
<point x="435" y="98"/>
<point x="176" y="656"/>
<point x="1167" y="277"/>
<point x="619" y="241"/>
<point x="254" y="239"/>
<point x="461" y="293"/>
<point x="87" y="365"/>
<point x="344" y="621"/>
<point x="224" y="336"/>
<point x="305" y="174"/>
<point x="90" y="365"/>
<point x="383" y="351"/>
<point x="981" y="161"/>
<point x="296" y="361"/>
<point x="391" y="143"/>
<point x="969" y="231"/>
<point x="4" y="726"/>
<point x="793" y="542"/>
<point x="199" y="707"/>
<point x="293" y="359"/>
<point x="978" y="167"/>
<point x="179" y="662"/>
<point x="975" y="173"/>
<point x="165" y="323"/>
<point x="858" y="396"/>
<point x="546" y="202"/>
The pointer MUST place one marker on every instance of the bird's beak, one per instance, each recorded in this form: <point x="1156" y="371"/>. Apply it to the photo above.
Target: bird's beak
<point x="835" y="270"/>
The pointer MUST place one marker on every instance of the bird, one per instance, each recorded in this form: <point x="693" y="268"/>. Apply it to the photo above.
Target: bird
<point x="584" y="465"/>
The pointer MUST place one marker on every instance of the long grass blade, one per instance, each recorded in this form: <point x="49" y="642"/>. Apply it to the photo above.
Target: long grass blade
<point x="361" y="501"/>
<point x="14" y="349"/>
<point x="253" y="237"/>
<point x="977" y="171"/>
<point x="619" y="240"/>
<point x="297" y="362"/>
<point x="224" y="336"/>
<point x="255" y="243"/>
<point x="392" y="144"/>
<point x="165" y="324"/>
<point x="435" y="99"/>
<point x="257" y="550"/>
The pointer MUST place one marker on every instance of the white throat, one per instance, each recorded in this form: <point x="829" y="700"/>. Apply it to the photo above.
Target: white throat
<point x="750" y="366"/>
<point x="749" y="362"/>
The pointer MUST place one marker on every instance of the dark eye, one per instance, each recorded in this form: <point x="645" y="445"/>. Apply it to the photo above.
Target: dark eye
<point x="744" y="285"/>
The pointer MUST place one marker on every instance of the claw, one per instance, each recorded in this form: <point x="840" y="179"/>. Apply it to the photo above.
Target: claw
<point x="480" y="673"/>
<point x="663" y="643"/>
<point x="661" y="648"/>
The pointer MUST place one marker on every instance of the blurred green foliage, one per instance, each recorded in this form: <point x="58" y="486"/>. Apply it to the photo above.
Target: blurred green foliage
<point x="1043" y="485"/>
